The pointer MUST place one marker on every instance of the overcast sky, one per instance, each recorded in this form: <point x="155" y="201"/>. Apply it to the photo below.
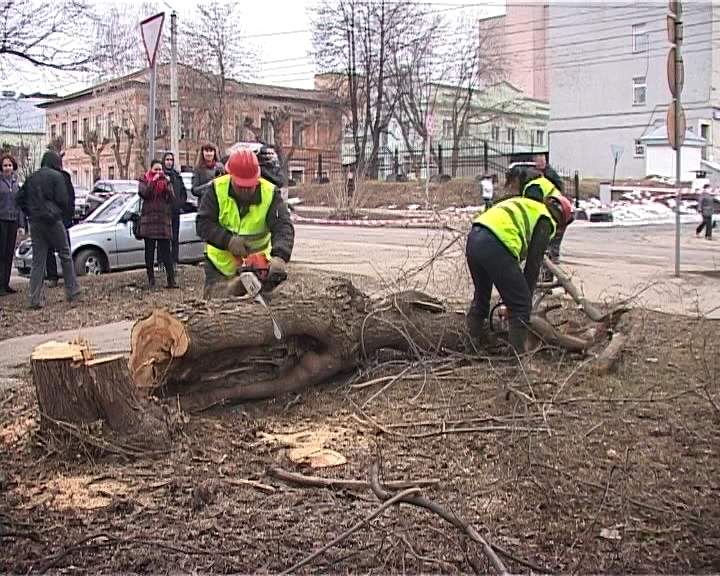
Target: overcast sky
<point x="283" y="58"/>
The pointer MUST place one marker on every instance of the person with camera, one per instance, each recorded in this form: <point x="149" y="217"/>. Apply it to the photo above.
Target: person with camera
<point x="156" y="218"/>
<point x="207" y="169"/>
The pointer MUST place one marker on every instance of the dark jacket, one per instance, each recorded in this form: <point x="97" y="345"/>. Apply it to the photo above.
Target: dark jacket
<point x="43" y="197"/>
<point x="179" y="190"/>
<point x="69" y="213"/>
<point x="156" y="213"/>
<point x="203" y="175"/>
<point x="8" y="190"/>
<point x="278" y="221"/>
<point x="554" y="177"/>
<point x="706" y="206"/>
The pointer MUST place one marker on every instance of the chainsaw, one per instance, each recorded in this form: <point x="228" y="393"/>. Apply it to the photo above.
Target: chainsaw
<point x="254" y="275"/>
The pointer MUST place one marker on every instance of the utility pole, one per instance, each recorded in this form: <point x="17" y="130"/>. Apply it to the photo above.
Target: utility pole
<point x="174" y="102"/>
<point x="675" y="122"/>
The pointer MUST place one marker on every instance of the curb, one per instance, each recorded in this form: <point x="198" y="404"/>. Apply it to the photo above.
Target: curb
<point x="393" y="223"/>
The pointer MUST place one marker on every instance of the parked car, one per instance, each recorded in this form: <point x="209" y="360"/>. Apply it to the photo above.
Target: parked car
<point x="81" y="207"/>
<point x="104" y="189"/>
<point x="105" y="242"/>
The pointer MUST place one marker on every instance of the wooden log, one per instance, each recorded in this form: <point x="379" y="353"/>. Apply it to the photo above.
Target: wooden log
<point x="607" y="359"/>
<point x="75" y="389"/>
<point x="218" y="351"/>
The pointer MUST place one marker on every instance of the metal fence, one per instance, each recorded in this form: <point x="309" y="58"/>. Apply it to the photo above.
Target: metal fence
<point x="411" y="164"/>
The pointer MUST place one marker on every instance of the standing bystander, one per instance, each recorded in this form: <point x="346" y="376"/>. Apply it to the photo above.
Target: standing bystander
<point x="10" y="219"/>
<point x="706" y="207"/>
<point x="43" y="199"/>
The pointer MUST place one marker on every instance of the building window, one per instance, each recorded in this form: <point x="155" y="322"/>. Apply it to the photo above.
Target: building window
<point x="98" y="126"/>
<point x="447" y="129"/>
<point x="511" y="135"/>
<point x="74" y="132"/>
<point x="495" y="133"/>
<point x="75" y="178"/>
<point x="266" y="131"/>
<point x="296" y="176"/>
<point x="639" y="91"/>
<point x="540" y="137"/>
<point x="110" y="124"/>
<point x="63" y="133"/>
<point x="124" y="120"/>
<point x="297" y="133"/>
<point x="53" y="131"/>
<point x="639" y="149"/>
<point x="705" y="133"/>
<point x="188" y="130"/>
<point x="639" y="38"/>
<point x="111" y="172"/>
<point x="238" y="129"/>
<point x="86" y="127"/>
<point x="87" y="179"/>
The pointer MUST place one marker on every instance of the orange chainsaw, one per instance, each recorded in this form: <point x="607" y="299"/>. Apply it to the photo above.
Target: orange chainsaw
<point x="254" y="274"/>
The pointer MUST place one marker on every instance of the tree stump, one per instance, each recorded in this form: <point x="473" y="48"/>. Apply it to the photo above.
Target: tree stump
<point x="76" y="391"/>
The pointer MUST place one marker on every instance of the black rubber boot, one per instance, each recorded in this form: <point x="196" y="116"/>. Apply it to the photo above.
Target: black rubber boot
<point x="170" y="270"/>
<point x="477" y="325"/>
<point x="517" y="336"/>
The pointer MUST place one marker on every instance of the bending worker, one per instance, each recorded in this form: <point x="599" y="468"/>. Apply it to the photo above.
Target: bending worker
<point x="244" y="215"/>
<point x="513" y="230"/>
<point x="545" y="183"/>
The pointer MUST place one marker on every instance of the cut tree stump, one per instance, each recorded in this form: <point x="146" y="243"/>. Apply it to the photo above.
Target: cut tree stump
<point x="76" y="391"/>
<point x="219" y="351"/>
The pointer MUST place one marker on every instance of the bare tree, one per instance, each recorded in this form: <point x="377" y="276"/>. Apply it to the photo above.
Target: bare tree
<point x="415" y="69"/>
<point x="93" y="145"/>
<point x="45" y="34"/>
<point x="215" y="47"/>
<point x="117" y="41"/>
<point x="353" y="39"/>
<point x="57" y="144"/>
<point x="122" y="161"/>
<point x="471" y="63"/>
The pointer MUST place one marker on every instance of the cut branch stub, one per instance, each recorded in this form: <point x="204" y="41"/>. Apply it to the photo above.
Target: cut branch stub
<point x="160" y="336"/>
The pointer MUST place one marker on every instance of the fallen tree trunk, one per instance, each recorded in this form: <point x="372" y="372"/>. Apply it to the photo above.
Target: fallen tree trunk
<point x="76" y="392"/>
<point x="214" y="352"/>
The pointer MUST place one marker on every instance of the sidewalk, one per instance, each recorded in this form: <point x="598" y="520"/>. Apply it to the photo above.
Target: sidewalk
<point x="15" y="352"/>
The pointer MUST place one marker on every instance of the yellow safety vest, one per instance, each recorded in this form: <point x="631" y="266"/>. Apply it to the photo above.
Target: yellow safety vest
<point x="547" y="187"/>
<point x="512" y="221"/>
<point x="252" y="226"/>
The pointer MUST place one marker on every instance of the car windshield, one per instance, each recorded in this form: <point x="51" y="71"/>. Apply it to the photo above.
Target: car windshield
<point x="129" y="187"/>
<point x="110" y="210"/>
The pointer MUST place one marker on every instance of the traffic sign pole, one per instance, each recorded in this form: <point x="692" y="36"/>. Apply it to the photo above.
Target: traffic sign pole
<point x="676" y="116"/>
<point x="151" y="31"/>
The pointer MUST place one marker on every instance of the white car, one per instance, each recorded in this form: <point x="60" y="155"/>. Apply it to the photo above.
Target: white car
<point x="104" y="241"/>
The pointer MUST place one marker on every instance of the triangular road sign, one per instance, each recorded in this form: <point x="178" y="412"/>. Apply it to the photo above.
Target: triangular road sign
<point x="151" y="30"/>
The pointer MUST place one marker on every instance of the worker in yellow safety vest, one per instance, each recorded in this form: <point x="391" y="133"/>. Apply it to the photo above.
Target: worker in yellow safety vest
<point x="513" y="230"/>
<point x="243" y="215"/>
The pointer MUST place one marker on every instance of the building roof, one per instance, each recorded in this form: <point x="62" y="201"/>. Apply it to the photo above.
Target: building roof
<point x="658" y="137"/>
<point x="22" y="115"/>
<point x="248" y="88"/>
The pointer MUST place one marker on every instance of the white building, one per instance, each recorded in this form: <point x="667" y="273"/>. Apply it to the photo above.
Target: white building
<point x="22" y="129"/>
<point x="608" y="81"/>
<point x="660" y="156"/>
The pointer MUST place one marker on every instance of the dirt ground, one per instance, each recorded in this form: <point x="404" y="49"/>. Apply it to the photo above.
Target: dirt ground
<point x="573" y="473"/>
<point x="106" y="298"/>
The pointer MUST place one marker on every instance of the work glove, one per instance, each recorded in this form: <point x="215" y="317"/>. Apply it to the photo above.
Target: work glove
<point x="238" y="247"/>
<point x="277" y="268"/>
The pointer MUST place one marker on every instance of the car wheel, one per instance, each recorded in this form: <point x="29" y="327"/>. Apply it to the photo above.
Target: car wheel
<point x="89" y="262"/>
